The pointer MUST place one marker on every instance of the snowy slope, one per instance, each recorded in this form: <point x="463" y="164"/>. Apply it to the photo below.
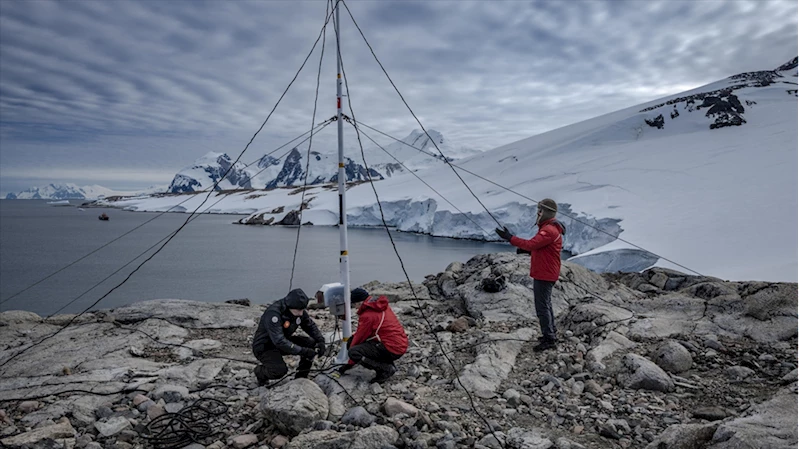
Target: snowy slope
<point x="72" y="191"/>
<point x="712" y="186"/>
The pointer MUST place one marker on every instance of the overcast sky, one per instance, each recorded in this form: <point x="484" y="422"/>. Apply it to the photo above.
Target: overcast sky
<point x="126" y="93"/>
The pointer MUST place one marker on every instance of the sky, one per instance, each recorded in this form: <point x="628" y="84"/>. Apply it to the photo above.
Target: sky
<point x="126" y="93"/>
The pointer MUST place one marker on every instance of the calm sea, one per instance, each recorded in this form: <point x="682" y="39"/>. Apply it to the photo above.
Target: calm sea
<point x="211" y="259"/>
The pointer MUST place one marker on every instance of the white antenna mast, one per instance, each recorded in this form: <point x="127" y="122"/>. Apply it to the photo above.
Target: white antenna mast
<point x="344" y="260"/>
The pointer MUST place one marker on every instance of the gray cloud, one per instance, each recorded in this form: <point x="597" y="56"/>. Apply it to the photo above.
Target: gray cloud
<point x="128" y="87"/>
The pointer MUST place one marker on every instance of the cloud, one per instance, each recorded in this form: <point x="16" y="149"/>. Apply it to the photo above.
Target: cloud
<point x="155" y="85"/>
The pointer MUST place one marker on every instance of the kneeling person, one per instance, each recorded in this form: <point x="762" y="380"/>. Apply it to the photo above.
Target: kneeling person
<point x="275" y="338"/>
<point x="380" y="338"/>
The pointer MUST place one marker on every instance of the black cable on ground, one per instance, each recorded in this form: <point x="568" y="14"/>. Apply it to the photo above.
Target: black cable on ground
<point x="192" y="424"/>
<point x="444" y="158"/>
<point x="327" y="19"/>
<point x="308" y="155"/>
<point x="402" y="264"/>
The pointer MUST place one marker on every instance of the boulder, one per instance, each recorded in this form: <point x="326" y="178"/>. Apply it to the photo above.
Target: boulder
<point x="673" y="357"/>
<point x="374" y="437"/>
<point x="113" y="426"/>
<point x="358" y="416"/>
<point x="684" y="436"/>
<point x="62" y="429"/>
<point x="242" y="441"/>
<point x="641" y="374"/>
<point x="394" y="406"/>
<point x="294" y="406"/>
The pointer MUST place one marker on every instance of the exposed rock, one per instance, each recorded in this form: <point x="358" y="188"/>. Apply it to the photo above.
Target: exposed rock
<point x="358" y="416"/>
<point x="673" y="357"/>
<point x="459" y="325"/>
<point x="294" y="406"/>
<point x="189" y="314"/>
<point x="242" y="441"/>
<point x="640" y="373"/>
<point x="396" y="292"/>
<point x="394" y="406"/>
<point x="370" y="438"/>
<point x="113" y="426"/>
<point x="239" y="302"/>
<point x="684" y="436"/>
<point x="279" y="441"/>
<point x="170" y="393"/>
<point x="710" y="413"/>
<point x="771" y="424"/>
<point x="494" y="361"/>
<point x="62" y="429"/>
<point x="28" y="406"/>
<point x="18" y="317"/>
<point x="738" y="372"/>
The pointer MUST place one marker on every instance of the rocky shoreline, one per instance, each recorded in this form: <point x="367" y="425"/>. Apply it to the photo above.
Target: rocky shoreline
<point x="655" y="360"/>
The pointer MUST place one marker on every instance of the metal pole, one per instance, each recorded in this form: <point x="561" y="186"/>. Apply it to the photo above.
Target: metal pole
<point x="344" y="261"/>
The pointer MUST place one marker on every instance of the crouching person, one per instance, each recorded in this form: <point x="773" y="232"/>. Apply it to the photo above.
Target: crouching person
<point x="380" y="338"/>
<point x="275" y="338"/>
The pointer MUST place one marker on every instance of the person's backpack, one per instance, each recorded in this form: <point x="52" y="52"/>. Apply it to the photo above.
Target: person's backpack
<point x="493" y="283"/>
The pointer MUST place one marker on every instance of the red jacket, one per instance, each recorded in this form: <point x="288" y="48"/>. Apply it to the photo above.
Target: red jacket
<point x="544" y="250"/>
<point x="377" y="321"/>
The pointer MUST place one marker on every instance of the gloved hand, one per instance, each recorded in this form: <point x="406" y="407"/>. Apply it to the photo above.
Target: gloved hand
<point x="307" y="353"/>
<point x="321" y="347"/>
<point x="503" y="233"/>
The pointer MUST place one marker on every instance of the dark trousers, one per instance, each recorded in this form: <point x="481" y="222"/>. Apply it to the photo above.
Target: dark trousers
<point x="543" y="308"/>
<point x="272" y="359"/>
<point x="373" y="355"/>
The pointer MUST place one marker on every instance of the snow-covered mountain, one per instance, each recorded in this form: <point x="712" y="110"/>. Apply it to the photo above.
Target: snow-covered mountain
<point x="416" y="151"/>
<point x="706" y="178"/>
<point x="73" y="192"/>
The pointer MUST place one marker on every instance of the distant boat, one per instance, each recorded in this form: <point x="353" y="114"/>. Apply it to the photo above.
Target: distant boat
<point x="81" y="209"/>
<point x="59" y="203"/>
<point x="103" y="217"/>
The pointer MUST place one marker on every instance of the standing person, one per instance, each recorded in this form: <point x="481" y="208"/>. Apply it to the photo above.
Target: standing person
<point x="544" y="250"/>
<point x="380" y="338"/>
<point x="275" y="338"/>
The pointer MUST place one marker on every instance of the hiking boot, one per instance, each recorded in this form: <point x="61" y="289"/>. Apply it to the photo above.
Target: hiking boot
<point x="260" y="374"/>
<point x="343" y="369"/>
<point x="384" y="375"/>
<point x="544" y="345"/>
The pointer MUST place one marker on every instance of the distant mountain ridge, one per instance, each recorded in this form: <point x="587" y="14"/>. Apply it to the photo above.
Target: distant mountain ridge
<point x="416" y="151"/>
<point x="70" y="191"/>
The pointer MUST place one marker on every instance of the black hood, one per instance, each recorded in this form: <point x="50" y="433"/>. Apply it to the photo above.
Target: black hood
<point x="296" y="299"/>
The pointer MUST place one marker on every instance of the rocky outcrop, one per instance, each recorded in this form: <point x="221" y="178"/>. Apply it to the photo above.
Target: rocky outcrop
<point x="656" y="359"/>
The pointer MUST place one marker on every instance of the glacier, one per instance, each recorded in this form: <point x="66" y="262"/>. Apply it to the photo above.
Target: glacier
<point x="703" y="181"/>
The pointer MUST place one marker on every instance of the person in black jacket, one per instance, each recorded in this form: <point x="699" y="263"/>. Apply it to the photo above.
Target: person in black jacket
<point x="275" y="338"/>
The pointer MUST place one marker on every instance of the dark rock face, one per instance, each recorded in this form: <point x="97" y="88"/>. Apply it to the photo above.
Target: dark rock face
<point x="223" y="166"/>
<point x="182" y="184"/>
<point x="725" y="108"/>
<point x="656" y="122"/>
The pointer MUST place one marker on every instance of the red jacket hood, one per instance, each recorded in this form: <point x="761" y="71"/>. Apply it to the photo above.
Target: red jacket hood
<point x="380" y="304"/>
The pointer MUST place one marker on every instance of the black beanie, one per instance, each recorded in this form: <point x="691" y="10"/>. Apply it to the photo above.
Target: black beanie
<point x="358" y="295"/>
<point x="296" y="299"/>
